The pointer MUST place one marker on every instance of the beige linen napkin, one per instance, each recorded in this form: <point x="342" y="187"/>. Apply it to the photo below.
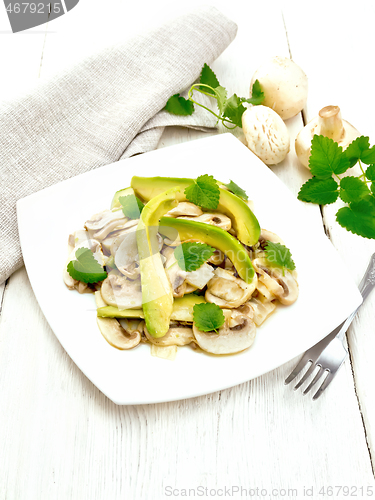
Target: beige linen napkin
<point x="106" y="108"/>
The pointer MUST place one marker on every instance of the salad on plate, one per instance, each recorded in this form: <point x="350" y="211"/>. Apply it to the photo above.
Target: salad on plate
<point x="178" y="261"/>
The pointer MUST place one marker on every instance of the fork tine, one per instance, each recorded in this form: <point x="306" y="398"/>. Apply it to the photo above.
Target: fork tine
<point x="306" y="375"/>
<point x="299" y="367"/>
<point x="324" y="385"/>
<point x="315" y="379"/>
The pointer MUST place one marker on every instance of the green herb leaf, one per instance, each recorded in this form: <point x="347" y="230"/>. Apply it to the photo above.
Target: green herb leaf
<point x="178" y="105"/>
<point x="356" y="148"/>
<point x="279" y="255"/>
<point x="234" y="110"/>
<point x="359" y="217"/>
<point x="191" y="255"/>
<point x="208" y="317"/>
<point x="353" y="189"/>
<point x="368" y="156"/>
<point x="320" y="191"/>
<point x="86" y="268"/>
<point x="370" y="173"/>
<point x="204" y="192"/>
<point x="373" y="188"/>
<point x="131" y="206"/>
<point x="221" y="97"/>
<point x="235" y="189"/>
<point x="208" y="77"/>
<point x="327" y="158"/>
<point x="257" y="94"/>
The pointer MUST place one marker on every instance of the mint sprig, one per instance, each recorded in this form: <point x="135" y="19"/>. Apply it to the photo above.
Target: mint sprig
<point x="327" y="162"/>
<point x="86" y="268"/>
<point x="279" y="255"/>
<point x="235" y="189"/>
<point x="191" y="255"/>
<point x="208" y="317"/>
<point x="230" y="110"/>
<point x="204" y="192"/>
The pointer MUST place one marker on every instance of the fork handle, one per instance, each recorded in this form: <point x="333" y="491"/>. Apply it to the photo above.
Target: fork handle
<point x="366" y="285"/>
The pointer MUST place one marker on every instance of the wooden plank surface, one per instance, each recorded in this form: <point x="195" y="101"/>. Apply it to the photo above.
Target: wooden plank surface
<point x="62" y="439"/>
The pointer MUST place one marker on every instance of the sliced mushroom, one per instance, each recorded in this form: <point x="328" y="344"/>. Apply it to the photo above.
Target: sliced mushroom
<point x="176" y="335"/>
<point x="261" y="310"/>
<point x="281" y="283"/>
<point x="121" y="292"/>
<point x="218" y="220"/>
<point x="122" y="336"/>
<point x="164" y="352"/>
<point x="185" y="208"/>
<point x="269" y="236"/>
<point x="175" y="274"/>
<point x="237" y="334"/>
<point x="200" y="277"/>
<point x="111" y="238"/>
<point x="217" y="258"/>
<point x="126" y="254"/>
<point x="227" y="291"/>
<point x="103" y="223"/>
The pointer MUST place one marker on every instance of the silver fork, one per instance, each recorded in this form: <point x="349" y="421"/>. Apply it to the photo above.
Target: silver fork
<point x="330" y="353"/>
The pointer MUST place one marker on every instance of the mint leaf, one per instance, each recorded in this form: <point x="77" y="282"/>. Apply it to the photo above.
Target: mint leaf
<point x="353" y="189"/>
<point x="131" y="206"/>
<point x="257" y="94"/>
<point x="208" y="317"/>
<point x="208" y="77"/>
<point x="234" y="110"/>
<point x="279" y="255"/>
<point x="320" y="191"/>
<point x="221" y="97"/>
<point x="327" y="158"/>
<point x="235" y="189"/>
<point x="370" y="173"/>
<point x="86" y="268"/>
<point x="178" y="105"/>
<point x="356" y="148"/>
<point x="204" y="192"/>
<point x="191" y="255"/>
<point x="359" y="217"/>
<point x="369" y="156"/>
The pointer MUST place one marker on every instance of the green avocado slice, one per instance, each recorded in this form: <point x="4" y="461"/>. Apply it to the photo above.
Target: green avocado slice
<point x="213" y="236"/>
<point x="182" y="309"/>
<point x="243" y="220"/>
<point x="157" y="296"/>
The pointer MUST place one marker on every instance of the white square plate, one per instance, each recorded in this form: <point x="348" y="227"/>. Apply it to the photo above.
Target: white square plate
<point x="327" y="294"/>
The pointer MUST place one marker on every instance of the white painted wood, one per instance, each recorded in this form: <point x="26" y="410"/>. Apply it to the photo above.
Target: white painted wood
<point x="333" y="80"/>
<point x="62" y="439"/>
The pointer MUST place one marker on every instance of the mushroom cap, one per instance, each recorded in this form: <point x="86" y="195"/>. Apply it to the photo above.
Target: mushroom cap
<point x="284" y="84"/>
<point x="185" y="208"/>
<point x="116" y="335"/>
<point x="266" y="134"/>
<point x="237" y="333"/>
<point x="120" y="292"/>
<point x="281" y="283"/>
<point x="227" y="291"/>
<point x="176" y="335"/>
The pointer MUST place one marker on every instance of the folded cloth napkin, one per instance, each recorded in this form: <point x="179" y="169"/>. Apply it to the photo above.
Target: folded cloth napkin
<point x="106" y="108"/>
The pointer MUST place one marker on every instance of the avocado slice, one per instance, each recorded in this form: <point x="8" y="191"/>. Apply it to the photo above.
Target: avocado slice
<point x="122" y="192"/>
<point x="213" y="236"/>
<point x="243" y="220"/>
<point x="157" y="297"/>
<point x="182" y="309"/>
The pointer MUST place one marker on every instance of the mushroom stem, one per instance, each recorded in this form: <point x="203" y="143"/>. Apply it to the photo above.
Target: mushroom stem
<point x="330" y="123"/>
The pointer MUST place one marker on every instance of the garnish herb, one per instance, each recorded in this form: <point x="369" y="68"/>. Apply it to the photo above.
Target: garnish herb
<point x="279" y="255"/>
<point x="86" y="268"/>
<point x="230" y="110"/>
<point x="235" y="189"/>
<point x="131" y="206"/>
<point x="327" y="162"/>
<point x="190" y="255"/>
<point x="204" y="192"/>
<point x="208" y="317"/>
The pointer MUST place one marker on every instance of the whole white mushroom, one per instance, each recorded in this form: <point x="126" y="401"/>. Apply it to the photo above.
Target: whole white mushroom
<point x="266" y="134"/>
<point x="284" y="85"/>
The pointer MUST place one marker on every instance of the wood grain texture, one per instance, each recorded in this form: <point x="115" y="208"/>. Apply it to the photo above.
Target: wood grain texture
<point x="332" y="81"/>
<point x="62" y="439"/>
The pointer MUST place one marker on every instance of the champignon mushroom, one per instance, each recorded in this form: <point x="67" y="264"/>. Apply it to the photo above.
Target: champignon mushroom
<point x="237" y="334"/>
<point x="185" y="208"/>
<point x="279" y="282"/>
<point x="261" y="310"/>
<point x="328" y="123"/>
<point x="125" y="334"/>
<point x="103" y="223"/>
<point x="108" y="241"/>
<point x="217" y="258"/>
<point x="284" y="85"/>
<point x="227" y="291"/>
<point x="266" y="134"/>
<point x="121" y="292"/>
<point x="218" y="220"/>
<point x="200" y="277"/>
<point x="176" y="335"/>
